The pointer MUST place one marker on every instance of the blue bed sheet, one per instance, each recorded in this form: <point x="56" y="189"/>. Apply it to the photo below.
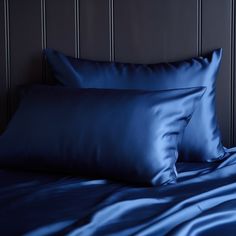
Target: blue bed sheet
<point x="203" y="202"/>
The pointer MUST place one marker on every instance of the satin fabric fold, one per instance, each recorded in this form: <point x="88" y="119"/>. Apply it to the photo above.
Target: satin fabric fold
<point x="203" y="202"/>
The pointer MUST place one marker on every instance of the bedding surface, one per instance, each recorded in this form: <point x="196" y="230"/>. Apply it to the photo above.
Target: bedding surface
<point x="203" y="202"/>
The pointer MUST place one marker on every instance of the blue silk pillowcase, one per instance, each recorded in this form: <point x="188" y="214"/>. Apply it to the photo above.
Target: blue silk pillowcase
<point x="123" y="135"/>
<point x="201" y="140"/>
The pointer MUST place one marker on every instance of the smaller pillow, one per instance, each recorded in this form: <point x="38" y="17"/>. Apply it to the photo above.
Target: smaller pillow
<point x="123" y="135"/>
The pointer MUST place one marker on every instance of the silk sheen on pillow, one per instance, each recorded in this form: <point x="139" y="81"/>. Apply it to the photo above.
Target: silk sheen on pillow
<point x="201" y="141"/>
<point x="123" y="135"/>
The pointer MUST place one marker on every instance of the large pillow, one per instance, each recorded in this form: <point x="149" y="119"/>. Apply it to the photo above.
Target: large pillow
<point x="118" y="134"/>
<point x="201" y="141"/>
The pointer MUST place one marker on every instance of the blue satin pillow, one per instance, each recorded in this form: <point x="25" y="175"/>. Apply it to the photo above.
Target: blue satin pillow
<point x="201" y="141"/>
<point x="117" y="134"/>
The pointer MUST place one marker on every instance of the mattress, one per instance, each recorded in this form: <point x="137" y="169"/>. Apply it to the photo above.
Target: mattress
<point x="203" y="202"/>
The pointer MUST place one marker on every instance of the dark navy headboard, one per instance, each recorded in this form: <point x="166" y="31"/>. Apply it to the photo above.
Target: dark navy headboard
<point x="143" y="31"/>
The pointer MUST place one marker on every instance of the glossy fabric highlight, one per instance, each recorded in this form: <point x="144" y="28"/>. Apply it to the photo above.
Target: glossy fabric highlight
<point x="201" y="141"/>
<point x="129" y="136"/>
<point x="202" y="202"/>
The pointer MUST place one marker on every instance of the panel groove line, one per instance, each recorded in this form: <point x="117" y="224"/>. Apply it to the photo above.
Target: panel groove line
<point x="44" y="38"/>
<point x="77" y="28"/>
<point x="199" y="27"/>
<point x="111" y="30"/>
<point x="232" y="122"/>
<point x="7" y="54"/>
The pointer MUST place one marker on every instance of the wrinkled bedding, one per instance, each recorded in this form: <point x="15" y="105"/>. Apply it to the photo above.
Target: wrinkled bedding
<point x="203" y="202"/>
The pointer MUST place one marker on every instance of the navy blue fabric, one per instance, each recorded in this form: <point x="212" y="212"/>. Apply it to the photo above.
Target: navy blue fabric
<point x="201" y="141"/>
<point x="202" y="202"/>
<point x="119" y="134"/>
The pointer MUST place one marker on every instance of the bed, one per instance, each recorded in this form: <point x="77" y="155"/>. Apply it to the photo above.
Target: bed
<point x="82" y="66"/>
<point x="201" y="203"/>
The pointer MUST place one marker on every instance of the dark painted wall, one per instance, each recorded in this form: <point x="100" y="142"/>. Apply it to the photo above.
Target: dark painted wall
<point x="145" y="31"/>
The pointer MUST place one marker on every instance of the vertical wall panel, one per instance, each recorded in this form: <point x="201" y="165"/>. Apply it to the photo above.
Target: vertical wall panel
<point x="3" y="78"/>
<point x="155" y="30"/>
<point x="216" y="32"/>
<point x="60" y="25"/>
<point x="25" y="43"/>
<point x="94" y="29"/>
